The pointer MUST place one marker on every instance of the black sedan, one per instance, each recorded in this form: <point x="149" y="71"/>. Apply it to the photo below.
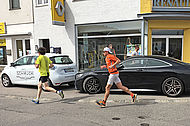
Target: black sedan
<point x="142" y="73"/>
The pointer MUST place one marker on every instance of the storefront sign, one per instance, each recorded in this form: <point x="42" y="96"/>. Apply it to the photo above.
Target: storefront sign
<point x="2" y="28"/>
<point x="2" y="42"/>
<point x="171" y="5"/>
<point x="58" y="9"/>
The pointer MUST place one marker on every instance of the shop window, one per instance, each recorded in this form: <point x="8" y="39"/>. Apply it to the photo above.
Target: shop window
<point x="92" y="38"/>
<point x="14" y="4"/>
<point x="90" y="50"/>
<point x="159" y="46"/>
<point x="3" y="55"/>
<point x="167" y="43"/>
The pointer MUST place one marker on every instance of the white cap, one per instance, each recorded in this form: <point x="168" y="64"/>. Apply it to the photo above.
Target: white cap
<point x="107" y="49"/>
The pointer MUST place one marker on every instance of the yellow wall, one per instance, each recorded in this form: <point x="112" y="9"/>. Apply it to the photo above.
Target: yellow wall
<point x="146" y="6"/>
<point x="186" y="46"/>
<point x="171" y="24"/>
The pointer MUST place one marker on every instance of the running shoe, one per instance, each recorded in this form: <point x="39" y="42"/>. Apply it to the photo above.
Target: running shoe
<point x="101" y="103"/>
<point x="35" y="101"/>
<point x="134" y="98"/>
<point x="60" y="92"/>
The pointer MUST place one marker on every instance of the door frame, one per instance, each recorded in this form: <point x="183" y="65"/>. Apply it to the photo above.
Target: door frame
<point x="167" y="37"/>
<point x="23" y="45"/>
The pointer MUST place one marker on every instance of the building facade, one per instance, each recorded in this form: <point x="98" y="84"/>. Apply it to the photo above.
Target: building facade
<point x="167" y="27"/>
<point x="28" y="25"/>
<point x="17" y="19"/>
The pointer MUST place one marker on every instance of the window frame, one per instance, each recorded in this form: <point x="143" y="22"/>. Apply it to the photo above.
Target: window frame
<point x="43" y="3"/>
<point x="11" y="5"/>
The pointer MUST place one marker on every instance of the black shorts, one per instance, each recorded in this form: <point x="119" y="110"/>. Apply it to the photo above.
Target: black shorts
<point x="44" y="79"/>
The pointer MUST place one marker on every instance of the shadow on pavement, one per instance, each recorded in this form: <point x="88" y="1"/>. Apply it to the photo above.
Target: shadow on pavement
<point x="67" y="100"/>
<point x="138" y="103"/>
<point x="63" y="87"/>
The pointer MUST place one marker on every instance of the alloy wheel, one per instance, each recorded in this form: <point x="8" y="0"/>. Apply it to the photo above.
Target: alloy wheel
<point x="92" y="85"/>
<point x="6" y="81"/>
<point x="172" y="87"/>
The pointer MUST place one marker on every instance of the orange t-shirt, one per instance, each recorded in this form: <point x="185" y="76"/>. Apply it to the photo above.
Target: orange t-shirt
<point x="111" y="59"/>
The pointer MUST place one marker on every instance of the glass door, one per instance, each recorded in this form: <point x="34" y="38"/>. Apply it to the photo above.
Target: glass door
<point x="23" y="47"/>
<point x="19" y="47"/>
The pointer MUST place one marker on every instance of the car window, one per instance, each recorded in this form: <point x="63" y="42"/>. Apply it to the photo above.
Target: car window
<point x="22" y="61"/>
<point x="153" y="63"/>
<point x="61" y="60"/>
<point x="134" y="63"/>
<point x="33" y="59"/>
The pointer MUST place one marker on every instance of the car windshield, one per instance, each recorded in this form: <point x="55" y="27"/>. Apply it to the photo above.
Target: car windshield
<point x="61" y="60"/>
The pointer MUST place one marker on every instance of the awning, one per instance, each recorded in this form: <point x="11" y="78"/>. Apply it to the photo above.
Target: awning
<point x="165" y="16"/>
<point x="14" y="35"/>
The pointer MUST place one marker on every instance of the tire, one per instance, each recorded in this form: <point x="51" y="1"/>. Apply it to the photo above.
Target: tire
<point x="92" y="85"/>
<point x="6" y="82"/>
<point x="172" y="87"/>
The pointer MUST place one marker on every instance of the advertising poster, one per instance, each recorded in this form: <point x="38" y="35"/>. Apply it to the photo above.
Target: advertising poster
<point x="131" y="48"/>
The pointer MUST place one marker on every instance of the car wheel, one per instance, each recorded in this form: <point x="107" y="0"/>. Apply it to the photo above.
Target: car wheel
<point x="6" y="81"/>
<point x="91" y="85"/>
<point x="172" y="87"/>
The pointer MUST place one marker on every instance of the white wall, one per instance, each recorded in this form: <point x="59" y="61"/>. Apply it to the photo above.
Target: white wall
<point x="23" y="15"/>
<point x="59" y="36"/>
<point x="92" y="11"/>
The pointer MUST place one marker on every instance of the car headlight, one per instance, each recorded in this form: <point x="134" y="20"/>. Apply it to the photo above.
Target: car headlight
<point x="79" y="76"/>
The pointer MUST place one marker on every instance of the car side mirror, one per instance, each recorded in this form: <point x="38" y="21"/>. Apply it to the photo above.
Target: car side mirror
<point x="12" y="64"/>
<point x="120" y="67"/>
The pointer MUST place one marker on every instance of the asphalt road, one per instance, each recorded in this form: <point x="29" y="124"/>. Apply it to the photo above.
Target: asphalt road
<point x="79" y="109"/>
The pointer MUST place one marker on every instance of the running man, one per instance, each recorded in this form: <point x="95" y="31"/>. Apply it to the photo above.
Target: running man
<point x="44" y="63"/>
<point x="111" y="62"/>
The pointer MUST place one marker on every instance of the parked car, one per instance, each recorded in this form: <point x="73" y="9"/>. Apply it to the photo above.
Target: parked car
<point x="23" y="71"/>
<point x="141" y="73"/>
